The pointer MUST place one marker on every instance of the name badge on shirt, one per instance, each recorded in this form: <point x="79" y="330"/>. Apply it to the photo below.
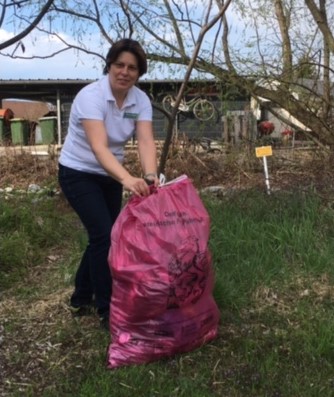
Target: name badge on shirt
<point x="128" y="115"/>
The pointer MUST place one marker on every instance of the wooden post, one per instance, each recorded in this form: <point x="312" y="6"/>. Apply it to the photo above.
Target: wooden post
<point x="226" y="129"/>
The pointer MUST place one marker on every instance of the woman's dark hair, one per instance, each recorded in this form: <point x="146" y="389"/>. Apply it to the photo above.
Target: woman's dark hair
<point x="127" y="45"/>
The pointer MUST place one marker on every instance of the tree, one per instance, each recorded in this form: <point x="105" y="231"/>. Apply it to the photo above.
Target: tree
<point x="258" y="45"/>
<point x="171" y="119"/>
<point x="276" y="58"/>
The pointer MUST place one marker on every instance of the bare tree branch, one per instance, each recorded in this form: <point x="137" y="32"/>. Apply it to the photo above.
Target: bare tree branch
<point x="128" y="17"/>
<point x="30" y="27"/>
<point x="3" y="12"/>
<point x="283" y="23"/>
<point x="175" y="27"/>
<point x="321" y="22"/>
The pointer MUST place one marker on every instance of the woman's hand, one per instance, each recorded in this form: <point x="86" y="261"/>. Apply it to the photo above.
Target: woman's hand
<point x="137" y="186"/>
<point x="152" y="179"/>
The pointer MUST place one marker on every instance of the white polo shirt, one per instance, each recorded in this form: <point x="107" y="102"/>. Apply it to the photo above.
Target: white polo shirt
<point x="96" y="102"/>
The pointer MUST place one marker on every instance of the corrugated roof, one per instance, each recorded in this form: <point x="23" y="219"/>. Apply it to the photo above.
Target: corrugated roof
<point x="81" y="81"/>
<point x="44" y="81"/>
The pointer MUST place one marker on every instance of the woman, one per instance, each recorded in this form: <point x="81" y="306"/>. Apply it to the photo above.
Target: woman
<point x="104" y="116"/>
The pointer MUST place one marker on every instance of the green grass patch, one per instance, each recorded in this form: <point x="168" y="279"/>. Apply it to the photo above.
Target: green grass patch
<point x="274" y="275"/>
<point x="30" y="226"/>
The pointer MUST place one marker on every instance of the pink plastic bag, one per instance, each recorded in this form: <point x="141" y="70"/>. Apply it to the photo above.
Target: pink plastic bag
<point x="162" y="300"/>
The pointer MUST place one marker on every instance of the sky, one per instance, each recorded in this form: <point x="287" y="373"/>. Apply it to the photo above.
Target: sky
<point x="66" y="65"/>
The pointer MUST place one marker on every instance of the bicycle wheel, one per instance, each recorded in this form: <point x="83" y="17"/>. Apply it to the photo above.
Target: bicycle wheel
<point x="167" y="102"/>
<point x="204" y="110"/>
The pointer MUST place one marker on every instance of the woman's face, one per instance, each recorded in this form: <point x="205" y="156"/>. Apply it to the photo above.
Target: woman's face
<point x="124" y="72"/>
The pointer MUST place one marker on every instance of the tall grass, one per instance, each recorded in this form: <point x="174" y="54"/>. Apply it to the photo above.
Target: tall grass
<point x="273" y="260"/>
<point x="258" y="239"/>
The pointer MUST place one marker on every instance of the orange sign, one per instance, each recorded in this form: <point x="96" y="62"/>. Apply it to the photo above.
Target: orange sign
<point x="263" y="151"/>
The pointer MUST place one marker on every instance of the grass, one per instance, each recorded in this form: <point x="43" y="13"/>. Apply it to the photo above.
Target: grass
<point x="273" y="260"/>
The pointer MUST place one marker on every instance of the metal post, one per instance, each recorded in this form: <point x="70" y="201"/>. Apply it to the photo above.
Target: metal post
<point x="59" y="119"/>
<point x="266" y="174"/>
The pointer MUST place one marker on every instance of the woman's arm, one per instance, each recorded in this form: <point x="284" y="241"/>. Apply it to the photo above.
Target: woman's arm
<point x="98" y="140"/>
<point x="147" y="150"/>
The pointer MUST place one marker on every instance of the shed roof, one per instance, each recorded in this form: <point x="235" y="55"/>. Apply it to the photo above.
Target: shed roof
<point x="48" y="89"/>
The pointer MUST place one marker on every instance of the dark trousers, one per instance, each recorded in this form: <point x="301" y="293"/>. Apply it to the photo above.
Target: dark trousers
<point x="97" y="200"/>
